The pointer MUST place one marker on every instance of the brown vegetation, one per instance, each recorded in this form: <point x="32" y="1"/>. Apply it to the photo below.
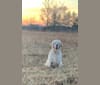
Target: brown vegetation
<point x="35" y="48"/>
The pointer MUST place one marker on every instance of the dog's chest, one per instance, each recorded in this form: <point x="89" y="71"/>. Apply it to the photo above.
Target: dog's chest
<point x="55" y="57"/>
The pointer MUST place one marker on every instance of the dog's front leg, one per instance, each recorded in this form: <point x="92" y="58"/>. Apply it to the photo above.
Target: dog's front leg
<point x="60" y="60"/>
<point x="49" y="60"/>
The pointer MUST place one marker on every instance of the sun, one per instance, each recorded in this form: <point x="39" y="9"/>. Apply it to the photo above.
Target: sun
<point x="30" y="9"/>
<point x="31" y="4"/>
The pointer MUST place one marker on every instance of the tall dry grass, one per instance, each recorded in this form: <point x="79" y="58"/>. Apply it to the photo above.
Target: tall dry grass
<point x="35" y="48"/>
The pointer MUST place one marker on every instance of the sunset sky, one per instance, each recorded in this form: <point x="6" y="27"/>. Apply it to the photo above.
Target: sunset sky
<point x="31" y="10"/>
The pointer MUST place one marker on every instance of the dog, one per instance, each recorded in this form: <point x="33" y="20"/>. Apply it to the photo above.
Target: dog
<point x="55" y="55"/>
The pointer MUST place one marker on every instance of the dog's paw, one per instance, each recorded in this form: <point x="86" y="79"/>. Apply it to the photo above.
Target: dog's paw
<point x="60" y="65"/>
<point x="47" y="65"/>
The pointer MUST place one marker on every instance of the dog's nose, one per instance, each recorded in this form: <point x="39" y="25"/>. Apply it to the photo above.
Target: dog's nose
<point x="56" y="46"/>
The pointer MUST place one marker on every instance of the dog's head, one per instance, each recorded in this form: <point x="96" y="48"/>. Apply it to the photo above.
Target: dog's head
<point x="56" y="44"/>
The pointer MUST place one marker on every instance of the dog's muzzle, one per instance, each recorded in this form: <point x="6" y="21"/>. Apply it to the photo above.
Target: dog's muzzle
<point x="57" y="46"/>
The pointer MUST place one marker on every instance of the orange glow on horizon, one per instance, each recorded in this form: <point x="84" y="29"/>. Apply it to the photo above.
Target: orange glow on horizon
<point x="31" y="11"/>
<point x="31" y="21"/>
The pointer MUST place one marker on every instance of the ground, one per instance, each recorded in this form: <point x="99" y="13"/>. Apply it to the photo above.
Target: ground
<point x="35" y="48"/>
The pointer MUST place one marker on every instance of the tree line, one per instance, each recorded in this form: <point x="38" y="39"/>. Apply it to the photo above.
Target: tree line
<point x="55" y="13"/>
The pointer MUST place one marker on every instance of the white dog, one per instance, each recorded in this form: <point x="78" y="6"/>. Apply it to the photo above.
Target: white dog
<point x="55" y="55"/>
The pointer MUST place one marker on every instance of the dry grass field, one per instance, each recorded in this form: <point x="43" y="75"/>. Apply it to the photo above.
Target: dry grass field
<point x="35" y="48"/>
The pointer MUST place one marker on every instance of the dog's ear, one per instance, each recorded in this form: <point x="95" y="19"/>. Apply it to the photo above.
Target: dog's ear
<point x="61" y="44"/>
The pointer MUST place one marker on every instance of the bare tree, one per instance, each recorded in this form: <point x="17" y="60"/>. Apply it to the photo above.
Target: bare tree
<point x="45" y="11"/>
<point x="52" y="11"/>
<point x="75" y="18"/>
